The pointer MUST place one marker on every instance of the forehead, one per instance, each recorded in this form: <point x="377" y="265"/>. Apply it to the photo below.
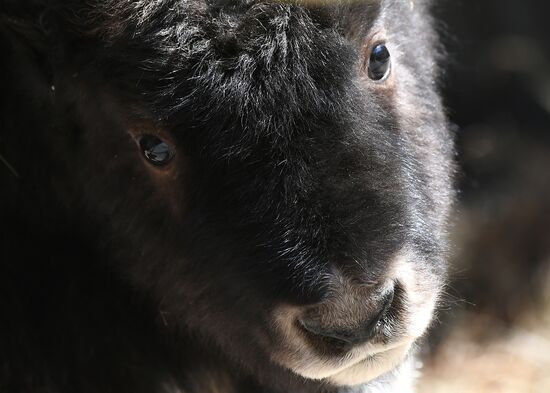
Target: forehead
<point x="346" y="15"/>
<point x="238" y="58"/>
<point x="342" y="14"/>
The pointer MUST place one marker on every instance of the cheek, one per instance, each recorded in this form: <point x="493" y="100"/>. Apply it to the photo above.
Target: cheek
<point x="168" y="187"/>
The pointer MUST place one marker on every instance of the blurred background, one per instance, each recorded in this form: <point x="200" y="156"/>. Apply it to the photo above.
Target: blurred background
<point x="493" y="332"/>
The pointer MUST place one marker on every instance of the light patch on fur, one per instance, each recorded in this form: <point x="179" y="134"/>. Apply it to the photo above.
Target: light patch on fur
<point x="402" y="379"/>
<point x="421" y="292"/>
<point x="407" y="375"/>
<point x="416" y="123"/>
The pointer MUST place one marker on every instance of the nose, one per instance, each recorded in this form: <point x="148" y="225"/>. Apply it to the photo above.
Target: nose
<point x="362" y="328"/>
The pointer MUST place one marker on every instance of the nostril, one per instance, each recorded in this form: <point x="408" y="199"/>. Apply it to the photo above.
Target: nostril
<point x="349" y="336"/>
<point x="338" y="337"/>
<point x="385" y="305"/>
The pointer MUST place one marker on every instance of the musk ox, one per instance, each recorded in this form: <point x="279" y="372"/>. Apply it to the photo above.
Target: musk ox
<point x="218" y="196"/>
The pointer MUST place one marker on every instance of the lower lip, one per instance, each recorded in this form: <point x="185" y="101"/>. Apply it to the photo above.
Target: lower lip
<point x="371" y="367"/>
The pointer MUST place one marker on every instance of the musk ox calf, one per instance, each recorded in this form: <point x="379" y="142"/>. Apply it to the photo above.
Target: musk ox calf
<point x="218" y="196"/>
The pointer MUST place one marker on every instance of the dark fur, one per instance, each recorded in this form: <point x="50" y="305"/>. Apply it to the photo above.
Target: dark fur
<point x="289" y="162"/>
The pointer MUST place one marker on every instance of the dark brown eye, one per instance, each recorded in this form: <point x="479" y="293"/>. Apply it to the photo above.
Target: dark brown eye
<point x="379" y="63"/>
<point x="156" y="151"/>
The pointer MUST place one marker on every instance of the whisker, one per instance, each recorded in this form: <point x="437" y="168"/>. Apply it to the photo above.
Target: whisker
<point x="9" y="166"/>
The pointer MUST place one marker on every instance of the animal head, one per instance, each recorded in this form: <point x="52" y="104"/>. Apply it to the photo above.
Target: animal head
<point x="274" y="175"/>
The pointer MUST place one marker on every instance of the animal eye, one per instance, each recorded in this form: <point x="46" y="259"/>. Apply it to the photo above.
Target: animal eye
<point x="379" y="63"/>
<point x="155" y="150"/>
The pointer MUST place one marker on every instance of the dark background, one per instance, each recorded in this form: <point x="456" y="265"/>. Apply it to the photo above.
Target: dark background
<point x="493" y="331"/>
<point x="493" y="334"/>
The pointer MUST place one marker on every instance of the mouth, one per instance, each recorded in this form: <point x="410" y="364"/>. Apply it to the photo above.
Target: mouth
<point x="345" y="357"/>
<point x="357" y="334"/>
<point x="341" y="341"/>
<point x="353" y="366"/>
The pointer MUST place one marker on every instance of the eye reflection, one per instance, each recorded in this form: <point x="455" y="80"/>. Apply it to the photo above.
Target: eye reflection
<point x="379" y="63"/>
<point x="155" y="150"/>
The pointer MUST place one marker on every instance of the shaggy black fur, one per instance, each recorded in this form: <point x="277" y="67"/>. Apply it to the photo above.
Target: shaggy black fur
<point x="119" y="277"/>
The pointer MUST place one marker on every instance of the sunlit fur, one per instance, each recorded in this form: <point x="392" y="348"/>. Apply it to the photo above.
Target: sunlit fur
<point x="298" y="184"/>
